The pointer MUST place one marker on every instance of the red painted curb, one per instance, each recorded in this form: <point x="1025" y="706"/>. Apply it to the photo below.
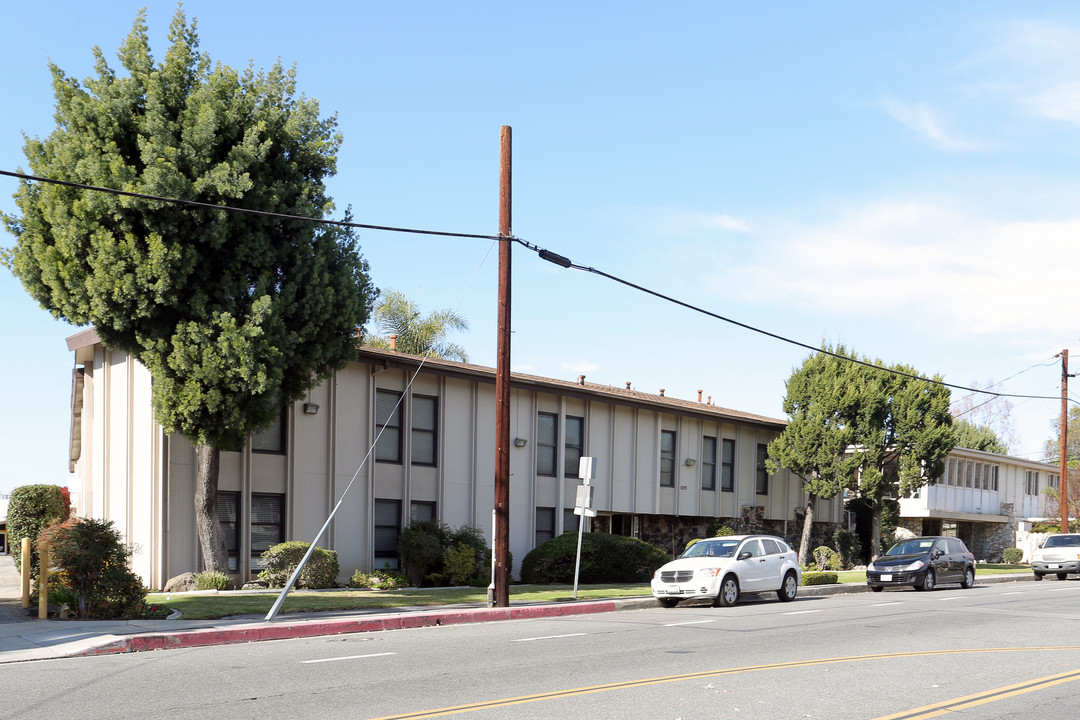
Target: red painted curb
<point x="317" y="628"/>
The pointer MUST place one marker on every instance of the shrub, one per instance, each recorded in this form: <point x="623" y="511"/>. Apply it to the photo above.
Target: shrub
<point x="281" y="560"/>
<point x="1012" y="556"/>
<point x="691" y="544"/>
<point x="724" y="531"/>
<point x="825" y="558"/>
<point x="604" y="559"/>
<point x="424" y="548"/>
<point x="213" y="580"/>
<point x="420" y="552"/>
<point x="378" y="580"/>
<point x="819" y="578"/>
<point x="93" y="559"/>
<point x="31" y="509"/>
<point x="460" y="563"/>
<point x="848" y="545"/>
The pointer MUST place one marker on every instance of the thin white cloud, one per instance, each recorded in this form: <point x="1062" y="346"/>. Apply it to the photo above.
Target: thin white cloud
<point x="920" y="264"/>
<point x="579" y="367"/>
<point x="926" y="123"/>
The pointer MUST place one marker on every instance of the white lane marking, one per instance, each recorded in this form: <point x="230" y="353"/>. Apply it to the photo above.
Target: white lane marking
<point x="953" y="597"/>
<point x="1015" y="592"/>
<point x="549" y="637"/>
<point x="347" y="657"/>
<point x="883" y="604"/>
<point x="801" y="612"/>
<point x="690" y="622"/>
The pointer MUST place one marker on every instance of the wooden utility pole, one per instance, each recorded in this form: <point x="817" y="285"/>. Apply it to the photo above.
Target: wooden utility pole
<point x="502" y="384"/>
<point x="1063" y="442"/>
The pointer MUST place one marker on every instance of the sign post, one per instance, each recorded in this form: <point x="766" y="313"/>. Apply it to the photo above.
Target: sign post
<point x="583" y="507"/>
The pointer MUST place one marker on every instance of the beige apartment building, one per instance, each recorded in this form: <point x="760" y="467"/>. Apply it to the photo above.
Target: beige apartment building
<point x="666" y="468"/>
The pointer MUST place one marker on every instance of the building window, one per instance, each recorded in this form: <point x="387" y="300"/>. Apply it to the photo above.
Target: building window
<point x="708" y="463"/>
<point x="950" y="475"/>
<point x="387" y="426"/>
<point x="994" y="478"/>
<point x="267" y="525"/>
<point x="1031" y="483"/>
<point x="762" y="470"/>
<point x="228" y="510"/>
<point x="574" y="447"/>
<point x="667" y="458"/>
<point x="727" y="466"/>
<point x="1052" y="481"/>
<point x="570" y="521"/>
<point x="421" y="512"/>
<point x="271" y="439"/>
<point x="545" y="524"/>
<point x="547" y="437"/>
<point x="424" y="429"/>
<point x="387" y="527"/>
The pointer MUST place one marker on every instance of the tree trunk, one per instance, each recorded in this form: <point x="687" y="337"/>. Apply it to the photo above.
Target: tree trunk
<point x="807" y="530"/>
<point x="875" y="527"/>
<point x="211" y="538"/>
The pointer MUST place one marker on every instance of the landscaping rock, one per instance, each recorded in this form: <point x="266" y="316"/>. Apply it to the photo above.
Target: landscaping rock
<point x="184" y="582"/>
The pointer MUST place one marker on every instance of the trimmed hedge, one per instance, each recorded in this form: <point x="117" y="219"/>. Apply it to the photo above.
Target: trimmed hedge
<point x="1012" y="556"/>
<point x="605" y="558"/>
<point x="31" y="509"/>
<point x="819" y="578"/>
<point x="281" y="560"/>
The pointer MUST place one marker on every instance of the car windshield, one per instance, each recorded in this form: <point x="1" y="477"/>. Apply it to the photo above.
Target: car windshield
<point x="912" y="547"/>
<point x="712" y="548"/>
<point x="1062" y="541"/>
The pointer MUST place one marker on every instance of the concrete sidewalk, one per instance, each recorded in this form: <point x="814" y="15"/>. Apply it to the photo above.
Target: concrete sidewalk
<point x="23" y="637"/>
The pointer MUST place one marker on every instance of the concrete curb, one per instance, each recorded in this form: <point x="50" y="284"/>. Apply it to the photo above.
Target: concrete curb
<point x="294" y="627"/>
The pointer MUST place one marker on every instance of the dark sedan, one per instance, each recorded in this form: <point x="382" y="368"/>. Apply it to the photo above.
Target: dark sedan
<point x="923" y="562"/>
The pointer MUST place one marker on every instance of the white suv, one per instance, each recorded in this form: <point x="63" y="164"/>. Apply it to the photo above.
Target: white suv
<point x="1059" y="555"/>
<point x="722" y="568"/>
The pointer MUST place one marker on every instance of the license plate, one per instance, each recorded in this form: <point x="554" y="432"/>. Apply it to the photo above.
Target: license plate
<point x="674" y="590"/>
<point x="1053" y="567"/>
<point x="886" y="578"/>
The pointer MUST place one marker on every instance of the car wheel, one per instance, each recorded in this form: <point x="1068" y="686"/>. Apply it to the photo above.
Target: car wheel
<point x="667" y="602"/>
<point x="928" y="581"/>
<point x="1038" y="576"/>
<point x="876" y="588"/>
<point x="1062" y="576"/>
<point x="969" y="579"/>
<point x="789" y="589"/>
<point x="729" y="592"/>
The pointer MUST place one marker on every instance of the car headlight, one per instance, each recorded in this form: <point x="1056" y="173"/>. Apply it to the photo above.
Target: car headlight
<point x="917" y="565"/>
<point x="708" y="572"/>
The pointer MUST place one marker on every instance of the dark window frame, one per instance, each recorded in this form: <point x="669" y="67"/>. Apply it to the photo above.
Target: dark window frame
<point x="667" y="458"/>
<point x="381" y="552"/>
<point x="256" y="555"/>
<point x="708" y="463"/>
<point x="572" y="454"/>
<point x="762" y="487"/>
<point x="547" y="449"/>
<point x="433" y="431"/>
<point x="283" y="426"/>
<point x="542" y="536"/>
<point x="727" y="465"/>
<point x="233" y="533"/>
<point x="383" y="442"/>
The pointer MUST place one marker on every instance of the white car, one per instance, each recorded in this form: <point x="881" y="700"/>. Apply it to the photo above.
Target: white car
<point x="1059" y="555"/>
<point x="723" y="568"/>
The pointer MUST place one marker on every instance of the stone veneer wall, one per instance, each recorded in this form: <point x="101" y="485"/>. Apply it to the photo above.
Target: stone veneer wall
<point x="986" y="541"/>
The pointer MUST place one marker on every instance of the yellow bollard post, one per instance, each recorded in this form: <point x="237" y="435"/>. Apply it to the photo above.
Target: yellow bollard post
<point x="25" y="572"/>
<point x="43" y="580"/>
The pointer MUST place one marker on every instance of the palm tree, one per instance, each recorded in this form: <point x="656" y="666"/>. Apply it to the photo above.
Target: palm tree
<point x="396" y="314"/>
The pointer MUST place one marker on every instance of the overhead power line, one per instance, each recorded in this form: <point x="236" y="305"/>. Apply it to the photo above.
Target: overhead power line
<point x="544" y="254"/>
<point x="248" y="211"/>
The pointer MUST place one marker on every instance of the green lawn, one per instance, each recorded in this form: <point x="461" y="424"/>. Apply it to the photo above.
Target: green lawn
<point x="205" y="607"/>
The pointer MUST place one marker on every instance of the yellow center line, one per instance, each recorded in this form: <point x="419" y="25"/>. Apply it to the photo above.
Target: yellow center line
<point x="982" y="698"/>
<point x="571" y="692"/>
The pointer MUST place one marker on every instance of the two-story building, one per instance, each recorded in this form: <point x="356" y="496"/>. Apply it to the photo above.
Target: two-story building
<point x="667" y="469"/>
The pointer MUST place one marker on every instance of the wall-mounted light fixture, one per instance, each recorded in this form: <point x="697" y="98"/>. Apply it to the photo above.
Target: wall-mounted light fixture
<point x="311" y="408"/>
<point x="690" y="462"/>
<point x="520" y="442"/>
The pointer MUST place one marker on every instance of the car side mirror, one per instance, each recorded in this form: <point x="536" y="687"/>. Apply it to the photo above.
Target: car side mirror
<point x="938" y="553"/>
<point x="745" y="555"/>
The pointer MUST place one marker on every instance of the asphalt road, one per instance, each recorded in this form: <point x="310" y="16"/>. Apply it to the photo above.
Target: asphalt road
<point x="995" y="651"/>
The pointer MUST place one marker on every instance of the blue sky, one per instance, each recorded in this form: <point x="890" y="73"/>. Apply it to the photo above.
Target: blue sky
<point x="898" y="179"/>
